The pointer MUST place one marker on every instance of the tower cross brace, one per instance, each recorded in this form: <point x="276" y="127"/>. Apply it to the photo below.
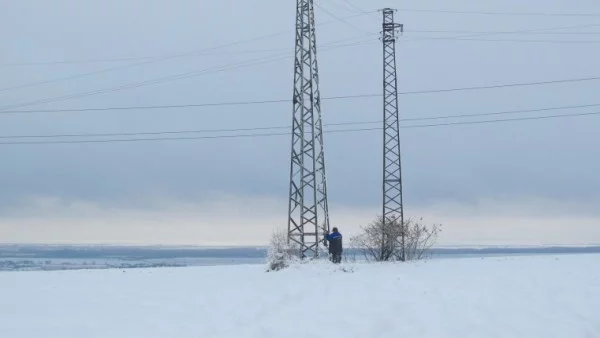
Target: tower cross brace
<point x="393" y="209"/>
<point x="308" y="212"/>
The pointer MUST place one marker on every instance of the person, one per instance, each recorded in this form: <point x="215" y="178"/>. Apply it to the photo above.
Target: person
<point x="335" y="245"/>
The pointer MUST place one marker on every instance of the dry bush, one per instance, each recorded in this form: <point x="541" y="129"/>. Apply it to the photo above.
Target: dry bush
<point x="384" y="241"/>
<point x="378" y="240"/>
<point x="419" y="239"/>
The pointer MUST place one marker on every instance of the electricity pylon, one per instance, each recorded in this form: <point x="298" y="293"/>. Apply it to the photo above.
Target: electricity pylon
<point x="393" y="209"/>
<point x="308" y="210"/>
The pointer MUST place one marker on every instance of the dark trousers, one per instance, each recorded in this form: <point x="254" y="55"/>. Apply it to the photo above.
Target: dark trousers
<point x="336" y="257"/>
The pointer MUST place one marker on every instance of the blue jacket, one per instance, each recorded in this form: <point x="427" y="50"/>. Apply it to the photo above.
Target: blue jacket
<point x="333" y="236"/>
<point x="335" y="242"/>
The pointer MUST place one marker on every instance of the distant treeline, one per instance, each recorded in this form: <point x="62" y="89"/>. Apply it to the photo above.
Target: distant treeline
<point x="142" y="253"/>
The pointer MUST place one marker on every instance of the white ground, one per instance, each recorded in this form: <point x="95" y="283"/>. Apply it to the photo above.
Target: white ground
<point x="525" y="297"/>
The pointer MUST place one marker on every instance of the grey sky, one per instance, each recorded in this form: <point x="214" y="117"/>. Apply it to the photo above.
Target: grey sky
<point x="482" y="179"/>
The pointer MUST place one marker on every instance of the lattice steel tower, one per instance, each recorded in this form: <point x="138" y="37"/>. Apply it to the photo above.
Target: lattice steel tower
<point x="393" y="209"/>
<point x="308" y="210"/>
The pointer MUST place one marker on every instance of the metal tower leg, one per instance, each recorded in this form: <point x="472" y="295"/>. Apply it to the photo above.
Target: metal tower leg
<point x="308" y="210"/>
<point x="393" y="210"/>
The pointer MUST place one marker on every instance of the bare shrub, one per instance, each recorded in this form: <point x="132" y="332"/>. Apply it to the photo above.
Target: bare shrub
<point x="384" y="241"/>
<point x="419" y="239"/>
<point x="280" y="253"/>
<point x="378" y="240"/>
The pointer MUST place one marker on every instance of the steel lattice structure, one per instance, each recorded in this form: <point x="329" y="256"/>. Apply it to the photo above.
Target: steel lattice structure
<point x="393" y="210"/>
<point x="308" y="210"/>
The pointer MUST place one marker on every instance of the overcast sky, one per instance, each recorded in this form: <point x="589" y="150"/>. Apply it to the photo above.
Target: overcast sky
<point x="527" y="182"/>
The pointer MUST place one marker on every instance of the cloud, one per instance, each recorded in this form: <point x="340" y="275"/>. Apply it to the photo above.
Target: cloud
<point x="249" y="220"/>
<point x="523" y="221"/>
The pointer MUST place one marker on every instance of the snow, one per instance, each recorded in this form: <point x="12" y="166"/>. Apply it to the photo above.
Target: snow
<point x="533" y="296"/>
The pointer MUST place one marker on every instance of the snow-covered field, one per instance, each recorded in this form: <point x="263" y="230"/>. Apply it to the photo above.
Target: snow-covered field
<point x="525" y="297"/>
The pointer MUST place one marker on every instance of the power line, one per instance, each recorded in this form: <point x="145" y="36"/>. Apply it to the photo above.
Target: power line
<point x="147" y="139"/>
<point x="202" y="53"/>
<point x="107" y="70"/>
<point x="146" y="107"/>
<point x="160" y="58"/>
<point x="136" y="58"/>
<point x="130" y="85"/>
<point x="191" y="74"/>
<point x="80" y="61"/>
<point x="213" y="104"/>
<point x="476" y="35"/>
<point x="523" y="84"/>
<point x="201" y="131"/>
<point x="266" y="128"/>
<point x="225" y="68"/>
<point x="506" y="112"/>
<point x="360" y="10"/>
<point x="340" y="6"/>
<point x="522" y="41"/>
<point x="112" y="69"/>
<point x="498" y="32"/>
<point x="342" y="20"/>
<point x="356" y="8"/>
<point x="546" y="117"/>
<point x="170" y="78"/>
<point x="341" y="97"/>
<point x="148" y="61"/>
<point x="336" y="18"/>
<point x="287" y="133"/>
<point x="499" y="13"/>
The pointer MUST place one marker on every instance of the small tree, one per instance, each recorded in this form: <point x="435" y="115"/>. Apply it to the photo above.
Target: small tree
<point x="382" y="241"/>
<point x="280" y="253"/>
